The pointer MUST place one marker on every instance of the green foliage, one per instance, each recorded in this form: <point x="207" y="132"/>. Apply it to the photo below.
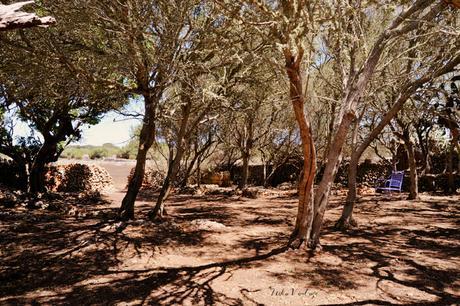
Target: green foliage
<point x="107" y="150"/>
<point x="98" y="154"/>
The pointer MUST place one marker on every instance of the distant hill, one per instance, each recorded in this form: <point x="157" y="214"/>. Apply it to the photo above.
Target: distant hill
<point x="93" y="152"/>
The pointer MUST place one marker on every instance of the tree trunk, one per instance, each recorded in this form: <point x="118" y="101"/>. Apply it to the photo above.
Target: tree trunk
<point x="159" y="209"/>
<point x="413" y="193"/>
<point x="304" y="217"/>
<point x="265" y="179"/>
<point x="198" y="172"/>
<point x="450" y="171"/>
<point x="37" y="171"/>
<point x="37" y="178"/>
<point x="199" y="153"/>
<point x="245" y="171"/>
<point x="324" y="188"/>
<point x="330" y="130"/>
<point x="346" y="220"/>
<point x="146" y="139"/>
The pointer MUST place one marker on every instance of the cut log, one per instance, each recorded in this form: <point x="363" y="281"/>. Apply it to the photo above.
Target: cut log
<point x="11" y="18"/>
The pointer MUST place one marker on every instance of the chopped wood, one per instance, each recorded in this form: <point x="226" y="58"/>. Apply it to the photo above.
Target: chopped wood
<point x="78" y="178"/>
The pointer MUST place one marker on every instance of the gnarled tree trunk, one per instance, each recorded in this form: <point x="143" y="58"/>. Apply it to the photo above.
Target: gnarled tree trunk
<point x="38" y="168"/>
<point x="304" y="217"/>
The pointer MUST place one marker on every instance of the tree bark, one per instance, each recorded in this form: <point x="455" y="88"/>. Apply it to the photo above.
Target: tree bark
<point x="47" y="153"/>
<point x="450" y="170"/>
<point x="413" y="192"/>
<point x="324" y="188"/>
<point x="346" y="220"/>
<point x="304" y="217"/>
<point x="37" y="176"/>
<point x="159" y="209"/>
<point x="146" y="139"/>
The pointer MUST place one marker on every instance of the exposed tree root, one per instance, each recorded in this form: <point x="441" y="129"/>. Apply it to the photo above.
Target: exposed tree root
<point x="344" y="224"/>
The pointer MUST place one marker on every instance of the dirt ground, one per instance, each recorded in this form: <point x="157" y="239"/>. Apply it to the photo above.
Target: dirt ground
<point x="220" y="250"/>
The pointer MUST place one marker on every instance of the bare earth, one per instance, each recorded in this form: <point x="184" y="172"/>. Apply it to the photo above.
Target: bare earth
<point x="218" y="250"/>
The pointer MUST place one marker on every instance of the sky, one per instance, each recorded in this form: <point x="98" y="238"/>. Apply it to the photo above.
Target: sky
<point x="113" y="128"/>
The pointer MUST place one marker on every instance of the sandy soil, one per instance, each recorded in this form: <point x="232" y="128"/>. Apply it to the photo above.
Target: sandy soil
<point x="218" y="250"/>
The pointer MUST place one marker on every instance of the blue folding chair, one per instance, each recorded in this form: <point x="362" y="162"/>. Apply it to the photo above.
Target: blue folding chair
<point x="394" y="183"/>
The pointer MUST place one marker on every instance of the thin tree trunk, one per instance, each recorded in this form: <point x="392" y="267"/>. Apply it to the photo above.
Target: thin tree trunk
<point x="23" y="175"/>
<point x="324" y="188"/>
<point x="198" y="172"/>
<point x="159" y="209"/>
<point x="330" y="131"/>
<point x="244" y="171"/>
<point x="146" y="139"/>
<point x="450" y="170"/>
<point x="413" y="193"/>
<point x="346" y="220"/>
<point x="198" y="155"/>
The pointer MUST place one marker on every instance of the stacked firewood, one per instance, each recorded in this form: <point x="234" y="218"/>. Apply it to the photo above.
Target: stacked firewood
<point x="153" y="179"/>
<point x="79" y="178"/>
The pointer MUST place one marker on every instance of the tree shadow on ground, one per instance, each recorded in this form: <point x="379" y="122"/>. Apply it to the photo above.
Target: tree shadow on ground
<point x="81" y="261"/>
<point x="160" y="286"/>
<point x="42" y="251"/>
<point x="406" y="254"/>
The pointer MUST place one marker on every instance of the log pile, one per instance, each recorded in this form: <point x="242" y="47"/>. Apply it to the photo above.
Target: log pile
<point x="153" y="179"/>
<point x="78" y="178"/>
